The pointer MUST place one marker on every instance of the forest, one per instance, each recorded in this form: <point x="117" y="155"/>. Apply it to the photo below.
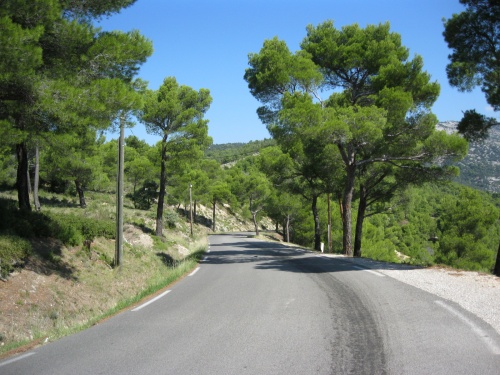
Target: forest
<point x="447" y="223"/>
<point x="362" y="172"/>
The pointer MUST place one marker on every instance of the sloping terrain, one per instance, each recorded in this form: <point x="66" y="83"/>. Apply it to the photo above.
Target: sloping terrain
<point x="480" y="169"/>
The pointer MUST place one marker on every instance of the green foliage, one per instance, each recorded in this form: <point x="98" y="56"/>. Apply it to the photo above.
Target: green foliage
<point x="70" y="229"/>
<point x="175" y="113"/>
<point x="379" y="250"/>
<point x="473" y="36"/>
<point x="171" y="218"/>
<point x="74" y="157"/>
<point x="7" y="169"/>
<point x="84" y="9"/>
<point x="143" y="197"/>
<point x="465" y="222"/>
<point x="378" y="113"/>
<point x="230" y="152"/>
<point x="13" y="250"/>
<point x="25" y="224"/>
<point x="475" y="126"/>
<point x="59" y="73"/>
<point x="275" y="70"/>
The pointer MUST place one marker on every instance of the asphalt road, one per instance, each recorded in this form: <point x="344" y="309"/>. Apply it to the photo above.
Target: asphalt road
<point x="255" y="307"/>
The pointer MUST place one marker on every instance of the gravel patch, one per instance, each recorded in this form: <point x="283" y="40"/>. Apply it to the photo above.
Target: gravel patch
<point x="476" y="292"/>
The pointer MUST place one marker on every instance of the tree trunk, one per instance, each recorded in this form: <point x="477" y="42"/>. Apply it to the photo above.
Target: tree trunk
<point x="346" y="210"/>
<point x="287" y="230"/>
<point x="29" y="180"/>
<point x="194" y="211"/>
<point x="22" y="177"/>
<point x="359" y="221"/>
<point x="317" y="229"/>
<point x="213" y="216"/>
<point x="341" y="208"/>
<point x="133" y="194"/>
<point x="81" y="193"/>
<point x="496" y="270"/>
<point x="36" y="200"/>
<point x="163" y="184"/>
<point x="254" y="217"/>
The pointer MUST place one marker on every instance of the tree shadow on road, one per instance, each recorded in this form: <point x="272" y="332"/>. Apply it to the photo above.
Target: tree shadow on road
<point x="278" y="256"/>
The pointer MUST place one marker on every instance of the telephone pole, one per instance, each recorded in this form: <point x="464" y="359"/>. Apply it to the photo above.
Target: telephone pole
<point x="329" y="224"/>
<point x="119" y="195"/>
<point x="191" y="208"/>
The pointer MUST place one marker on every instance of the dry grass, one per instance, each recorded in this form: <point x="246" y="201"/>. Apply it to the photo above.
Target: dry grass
<point x="47" y="300"/>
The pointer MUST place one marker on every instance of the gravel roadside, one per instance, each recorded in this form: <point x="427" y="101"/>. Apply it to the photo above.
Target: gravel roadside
<point x="476" y="292"/>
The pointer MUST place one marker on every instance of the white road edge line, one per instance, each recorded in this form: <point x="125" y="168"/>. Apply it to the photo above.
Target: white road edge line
<point x="196" y="270"/>
<point x="151" y="301"/>
<point x="16" y="359"/>
<point x="371" y="271"/>
<point x="490" y="343"/>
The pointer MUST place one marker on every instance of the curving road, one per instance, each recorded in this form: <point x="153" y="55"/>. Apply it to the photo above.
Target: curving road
<point x="255" y="307"/>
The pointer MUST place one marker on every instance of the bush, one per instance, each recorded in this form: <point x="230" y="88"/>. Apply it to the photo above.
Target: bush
<point x="144" y="197"/>
<point x="66" y="229"/>
<point x="380" y="250"/>
<point x="73" y="230"/>
<point x="13" y="250"/>
<point x="171" y="218"/>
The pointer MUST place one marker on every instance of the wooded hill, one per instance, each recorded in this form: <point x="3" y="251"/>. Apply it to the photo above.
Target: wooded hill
<point x="480" y="169"/>
<point x="230" y="152"/>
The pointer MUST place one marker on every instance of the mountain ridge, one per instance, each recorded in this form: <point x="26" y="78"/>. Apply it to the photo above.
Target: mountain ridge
<point x="480" y="169"/>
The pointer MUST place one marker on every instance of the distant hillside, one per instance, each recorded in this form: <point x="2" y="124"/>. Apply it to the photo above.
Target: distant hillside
<point x="230" y="152"/>
<point x="481" y="167"/>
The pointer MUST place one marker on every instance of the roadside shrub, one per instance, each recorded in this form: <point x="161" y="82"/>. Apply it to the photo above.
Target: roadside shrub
<point x="73" y="230"/>
<point x="382" y="250"/>
<point x="13" y="250"/>
<point x="26" y="224"/>
<point x="7" y="207"/>
<point x="171" y="218"/>
<point x="66" y="229"/>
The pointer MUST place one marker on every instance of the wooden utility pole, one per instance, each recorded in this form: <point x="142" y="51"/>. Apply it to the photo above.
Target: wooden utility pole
<point x="36" y="199"/>
<point x="329" y="224"/>
<point x="191" y="208"/>
<point x="119" y="195"/>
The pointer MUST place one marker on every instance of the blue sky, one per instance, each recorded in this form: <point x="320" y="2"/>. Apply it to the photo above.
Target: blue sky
<point x="205" y="44"/>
